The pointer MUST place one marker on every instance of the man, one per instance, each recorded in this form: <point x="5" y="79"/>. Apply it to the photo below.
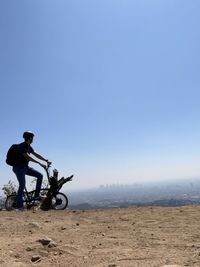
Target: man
<point x="21" y="168"/>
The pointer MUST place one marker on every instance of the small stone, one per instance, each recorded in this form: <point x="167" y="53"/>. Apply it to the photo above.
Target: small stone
<point x="35" y="258"/>
<point x="45" y="241"/>
<point x="34" y="224"/>
<point x="52" y="244"/>
<point x="33" y="247"/>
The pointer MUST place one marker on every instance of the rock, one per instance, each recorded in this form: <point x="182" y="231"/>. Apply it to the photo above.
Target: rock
<point x="32" y="247"/>
<point x="34" y="225"/>
<point x="35" y="258"/>
<point x="48" y="242"/>
<point x="17" y="256"/>
<point x="52" y="244"/>
<point x="45" y="241"/>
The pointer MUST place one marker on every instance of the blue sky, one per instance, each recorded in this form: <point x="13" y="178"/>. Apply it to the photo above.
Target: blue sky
<point x="110" y="88"/>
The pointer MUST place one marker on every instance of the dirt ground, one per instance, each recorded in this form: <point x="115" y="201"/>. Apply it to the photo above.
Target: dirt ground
<point x="145" y="237"/>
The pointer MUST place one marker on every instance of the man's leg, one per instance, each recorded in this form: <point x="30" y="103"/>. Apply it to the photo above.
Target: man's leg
<point x="39" y="176"/>
<point x="20" y="173"/>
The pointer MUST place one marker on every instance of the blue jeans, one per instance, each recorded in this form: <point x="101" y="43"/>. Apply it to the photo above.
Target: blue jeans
<point x="20" y="173"/>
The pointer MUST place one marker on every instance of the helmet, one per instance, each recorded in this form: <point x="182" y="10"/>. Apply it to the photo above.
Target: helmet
<point x="27" y="135"/>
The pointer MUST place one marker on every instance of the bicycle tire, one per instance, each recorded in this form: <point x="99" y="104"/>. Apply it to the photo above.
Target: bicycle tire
<point x="59" y="201"/>
<point x="10" y="203"/>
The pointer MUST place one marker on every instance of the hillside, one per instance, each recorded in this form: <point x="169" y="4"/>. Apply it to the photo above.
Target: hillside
<point x="142" y="237"/>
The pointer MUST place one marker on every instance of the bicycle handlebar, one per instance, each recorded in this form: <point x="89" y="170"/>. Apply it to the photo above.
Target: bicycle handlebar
<point x="46" y="167"/>
<point x="49" y="164"/>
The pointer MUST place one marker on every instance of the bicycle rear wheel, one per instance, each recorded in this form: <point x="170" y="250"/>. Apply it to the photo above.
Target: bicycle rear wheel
<point x="59" y="201"/>
<point x="10" y="203"/>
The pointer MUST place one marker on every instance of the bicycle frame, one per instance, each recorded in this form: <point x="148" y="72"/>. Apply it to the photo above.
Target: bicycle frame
<point x="47" y="171"/>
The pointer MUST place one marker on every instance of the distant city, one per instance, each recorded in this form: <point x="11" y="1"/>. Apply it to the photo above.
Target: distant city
<point x="165" y="194"/>
<point x="173" y="193"/>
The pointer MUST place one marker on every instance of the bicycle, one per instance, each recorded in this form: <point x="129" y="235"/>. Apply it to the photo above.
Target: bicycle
<point x="51" y="198"/>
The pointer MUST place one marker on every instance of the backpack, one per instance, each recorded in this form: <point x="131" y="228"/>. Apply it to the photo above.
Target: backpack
<point x="11" y="157"/>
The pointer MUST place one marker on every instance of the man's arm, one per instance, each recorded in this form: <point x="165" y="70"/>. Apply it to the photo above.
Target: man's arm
<point x="39" y="156"/>
<point x="28" y="157"/>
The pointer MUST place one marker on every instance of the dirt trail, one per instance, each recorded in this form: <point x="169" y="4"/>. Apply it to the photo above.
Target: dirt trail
<point x="141" y="237"/>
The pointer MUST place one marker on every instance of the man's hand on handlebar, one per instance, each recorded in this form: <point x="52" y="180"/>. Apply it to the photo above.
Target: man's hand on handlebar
<point x="43" y="165"/>
<point x="48" y="163"/>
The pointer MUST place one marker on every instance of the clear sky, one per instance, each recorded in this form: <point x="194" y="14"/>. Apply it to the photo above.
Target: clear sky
<point x="110" y="88"/>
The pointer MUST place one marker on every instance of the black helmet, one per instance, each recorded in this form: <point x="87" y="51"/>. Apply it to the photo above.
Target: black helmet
<point x="28" y="135"/>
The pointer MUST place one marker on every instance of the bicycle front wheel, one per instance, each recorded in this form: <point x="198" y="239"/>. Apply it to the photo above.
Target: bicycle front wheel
<point x="10" y="203"/>
<point x="59" y="201"/>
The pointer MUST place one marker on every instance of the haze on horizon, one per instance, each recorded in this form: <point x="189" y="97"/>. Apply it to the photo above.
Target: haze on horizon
<point x="110" y="88"/>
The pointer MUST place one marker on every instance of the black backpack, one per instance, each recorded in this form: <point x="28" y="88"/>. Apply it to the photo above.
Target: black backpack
<point x="11" y="158"/>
